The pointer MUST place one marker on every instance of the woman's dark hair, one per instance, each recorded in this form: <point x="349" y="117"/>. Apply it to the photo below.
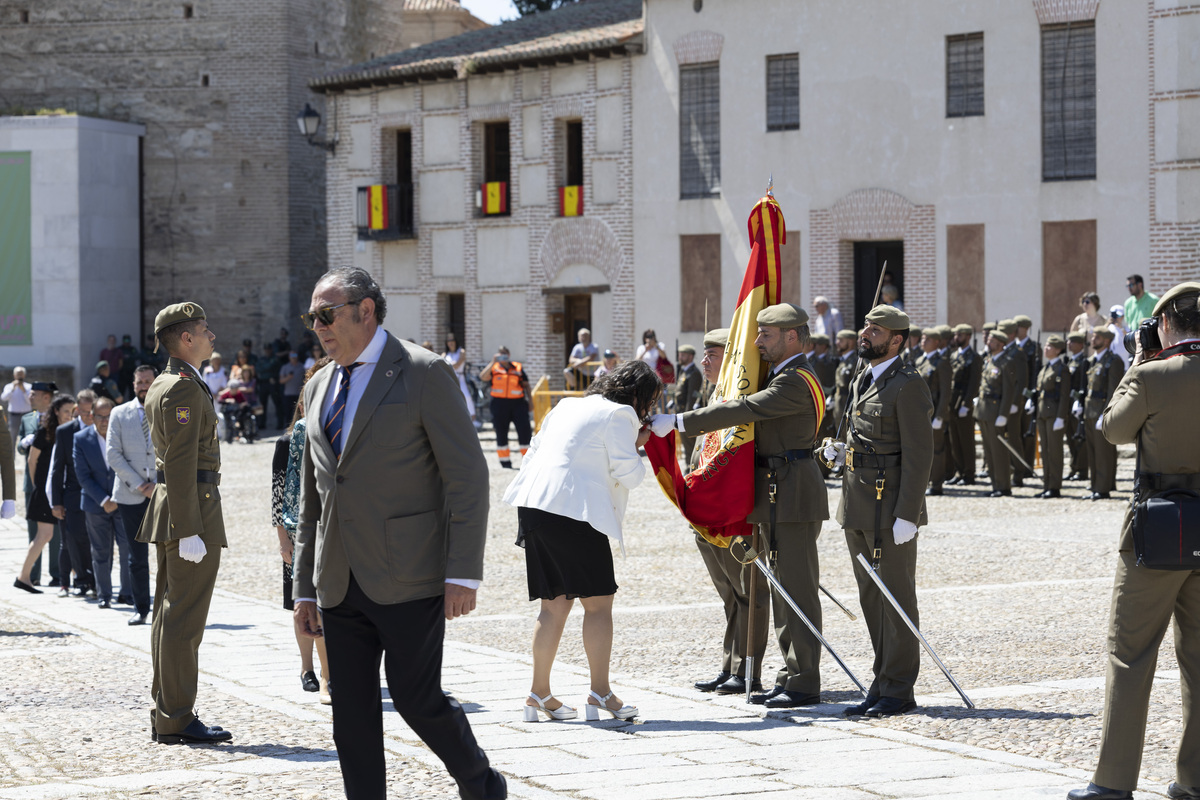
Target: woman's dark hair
<point x="633" y="383"/>
<point x="1184" y="314"/>
<point x="242" y="355"/>
<point x="50" y="418"/>
<point x="649" y="334"/>
<point x="1091" y="297"/>
<point x="298" y="411"/>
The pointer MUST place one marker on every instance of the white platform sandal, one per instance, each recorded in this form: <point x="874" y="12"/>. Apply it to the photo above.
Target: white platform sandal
<point x="592" y="711"/>
<point x="562" y="712"/>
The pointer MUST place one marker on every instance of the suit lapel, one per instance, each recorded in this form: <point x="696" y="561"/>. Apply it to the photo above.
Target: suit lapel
<point x="387" y="372"/>
<point x="314" y="431"/>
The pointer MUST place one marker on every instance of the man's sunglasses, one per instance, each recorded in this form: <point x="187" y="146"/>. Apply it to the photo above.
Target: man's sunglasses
<point x="324" y="314"/>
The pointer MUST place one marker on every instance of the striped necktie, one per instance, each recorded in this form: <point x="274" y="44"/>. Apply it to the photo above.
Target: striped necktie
<point x="146" y="428"/>
<point x="337" y="412"/>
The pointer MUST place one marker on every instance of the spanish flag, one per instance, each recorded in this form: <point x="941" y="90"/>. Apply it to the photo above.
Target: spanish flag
<point x="377" y="207"/>
<point x="495" y="197"/>
<point x="718" y="496"/>
<point x="570" y="201"/>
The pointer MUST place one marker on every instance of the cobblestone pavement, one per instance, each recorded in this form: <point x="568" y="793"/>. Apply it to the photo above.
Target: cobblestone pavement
<point x="1014" y="596"/>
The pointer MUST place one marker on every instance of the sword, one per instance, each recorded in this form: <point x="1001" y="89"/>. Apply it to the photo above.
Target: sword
<point x="750" y="555"/>
<point x="1020" y="458"/>
<point x="924" y="642"/>
<point x="837" y="602"/>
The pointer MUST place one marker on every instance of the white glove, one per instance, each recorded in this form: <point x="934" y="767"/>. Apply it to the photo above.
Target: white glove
<point x="835" y="452"/>
<point x="1001" y="421"/>
<point x="27" y="442"/>
<point x="903" y="531"/>
<point x="191" y="548"/>
<point x="662" y="424"/>
<point x="1012" y="409"/>
<point x="1099" y="420"/>
<point x="937" y="423"/>
<point x="1059" y="424"/>
<point x="1029" y="406"/>
<point x="1077" y="409"/>
<point x="8" y="509"/>
<point x="829" y="403"/>
<point x="962" y="412"/>
<point x="975" y="402"/>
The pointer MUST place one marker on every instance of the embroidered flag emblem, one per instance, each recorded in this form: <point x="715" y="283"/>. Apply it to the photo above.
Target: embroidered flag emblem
<point x="182" y="415"/>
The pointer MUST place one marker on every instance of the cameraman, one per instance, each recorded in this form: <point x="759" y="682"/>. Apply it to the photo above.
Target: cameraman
<point x="1156" y="402"/>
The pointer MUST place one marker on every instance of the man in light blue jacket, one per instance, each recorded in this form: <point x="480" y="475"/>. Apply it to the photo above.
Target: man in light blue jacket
<point x="131" y="456"/>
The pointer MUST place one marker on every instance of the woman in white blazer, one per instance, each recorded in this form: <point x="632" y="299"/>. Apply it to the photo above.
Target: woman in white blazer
<point x="570" y="497"/>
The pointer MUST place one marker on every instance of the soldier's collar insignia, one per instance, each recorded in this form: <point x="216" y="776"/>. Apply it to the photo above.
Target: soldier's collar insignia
<point x="183" y="415"/>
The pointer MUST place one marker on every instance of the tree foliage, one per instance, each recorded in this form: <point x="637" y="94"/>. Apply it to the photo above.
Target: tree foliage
<point x="527" y="7"/>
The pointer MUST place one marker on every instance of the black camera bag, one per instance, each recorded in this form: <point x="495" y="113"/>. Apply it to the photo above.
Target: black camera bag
<point x="1166" y="530"/>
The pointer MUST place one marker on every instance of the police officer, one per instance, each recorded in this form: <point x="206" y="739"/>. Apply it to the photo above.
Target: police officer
<point x="786" y="422"/>
<point x="1154" y="403"/>
<point x="510" y="403"/>
<point x="1077" y="361"/>
<point x="183" y="522"/>
<point x="730" y="577"/>
<point x="888" y="452"/>
<point x="934" y="369"/>
<point x="997" y="393"/>
<point x="966" y="368"/>
<point x="1104" y="374"/>
<point x="1052" y="404"/>
<point x="685" y="393"/>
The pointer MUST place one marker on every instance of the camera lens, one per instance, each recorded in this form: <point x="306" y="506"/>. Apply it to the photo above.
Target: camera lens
<point x="1131" y="342"/>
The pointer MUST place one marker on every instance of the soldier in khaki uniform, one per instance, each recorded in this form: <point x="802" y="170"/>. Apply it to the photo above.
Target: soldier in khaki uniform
<point x="934" y="369"/>
<point x="1052" y="406"/>
<point x="997" y="392"/>
<point x="1033" y="366"/>
<point x="1017" y="363"/>
<point x="730" y="577"/>
<point x="183" y="521"/>
<point x="966" y="369"/>
<point x="1155" y="401"/>
<point x="785" y="419"/>
<point x="1104" y="374"/>
<point x="847" y="367"/>
<point x="1077" y="360"/>
<point x="888" y="452"/>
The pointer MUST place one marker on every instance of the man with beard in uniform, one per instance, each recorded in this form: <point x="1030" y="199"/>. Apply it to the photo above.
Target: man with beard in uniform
<point x="887" y="453"/>
<point x="966" y="368"/>
<point x="1052" y="404"/>
<point x="934" y="369"/>
<point x="730" y="577"/>
<point x="997" y="392"/>
<point x="1077" y="361"/>
<point x="1103" y="376"/>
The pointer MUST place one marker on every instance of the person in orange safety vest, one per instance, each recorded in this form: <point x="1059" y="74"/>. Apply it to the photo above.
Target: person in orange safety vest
<point x="510" y="402"/>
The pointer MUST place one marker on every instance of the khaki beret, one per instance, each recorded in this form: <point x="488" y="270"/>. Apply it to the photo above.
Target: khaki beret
<point x="889" y="317"/>
<point x="1023" y="321"/>
<point x="963" y="327"/>
<point x="819" y="338"/>
<point x="687" y="348"/>
<point x="1175" y="292"/>
<point x="1008" y="326"/>
<point x="1107" y="333"/>
<point x="933" y="333"/>
<point x="783" y="315"/>
<point x="989" y="326"/>
<point x="180" y="312"/>
<point x="718" y="337"/>
<point x="1077" y="336"/>
<point x="846" y="333"/>
<point x="999" y="335"/>
<point x="944" y="330"/>
<point x="1054" y="340"/>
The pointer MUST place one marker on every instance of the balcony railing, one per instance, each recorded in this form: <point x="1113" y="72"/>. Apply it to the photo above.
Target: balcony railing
<point x="384" y="212"/>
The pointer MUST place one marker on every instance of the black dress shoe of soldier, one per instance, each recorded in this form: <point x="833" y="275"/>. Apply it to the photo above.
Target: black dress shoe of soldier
<point x="137" y="618"/>
<point x="760" y="699"/>
<point x="737" y="685"/>
<point x="196" y="733"/>
<point x="967" y="482"/>
<point x="1101" y="496"/>
<point x="1178" y="791"/>
<point x="861" y="709"/>
<point x="1000" y="493"/>
<point x="787" y="699"/>
<point x="708" y="686"/>
<point x="932" y="492"/>
<point x="890" y="707"/>
<point x="1094" y="792"/>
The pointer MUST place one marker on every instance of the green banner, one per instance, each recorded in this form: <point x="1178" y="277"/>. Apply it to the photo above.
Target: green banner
<point x="16" y="263"/>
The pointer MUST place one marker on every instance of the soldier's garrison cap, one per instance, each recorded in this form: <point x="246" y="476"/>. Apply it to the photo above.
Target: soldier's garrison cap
<point x="819" y="338"/>
<point x="889" y="317"/>
<point x="718" y="337"/>
<point x="1107" y="333"/>
<point x="1023" y="321"/>
<point x="933" y="333"/>
<point x="846" y="333"/>
<point x="1000" y="335"/>
<point x="687" y="348"/>
<point x="783" y="315"/>
<point x="1077" y="336"/>
<point x="963" y="327"/>
<point x="944" y="330"/>
<point x="1054" y="340"/>
<point x="172" y="314"/>
<point x="1175" y="292"/>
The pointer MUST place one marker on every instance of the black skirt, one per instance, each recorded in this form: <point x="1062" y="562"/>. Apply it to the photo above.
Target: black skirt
<point x="564" y="556"/>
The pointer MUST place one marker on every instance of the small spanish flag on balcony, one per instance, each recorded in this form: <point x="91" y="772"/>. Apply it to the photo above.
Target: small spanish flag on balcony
<point x="495" y="197"/>
<point x="570" y="201"/>
<point x="377" y="207"/>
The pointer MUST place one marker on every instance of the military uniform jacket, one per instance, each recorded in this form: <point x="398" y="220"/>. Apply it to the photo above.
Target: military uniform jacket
<point x="1017" y="362"/>
<point x="687" y="387"/>
<point x="1078" y="368"/>
<point x="997" y="388"/>
<point x="846" y="369"/>
<point x="890" y="416"/>
<point x="966" y="370"/>
<point x="1054" y="391"/>
<point x="934" y="368"/>
<point x="1103" y="376"/>
<point x="1157" y="399"/>
<point x="1032" y="361"/>
<point x="785" y="419"/>
<point x="183" y="428"/>
<point x="825" y="369"/>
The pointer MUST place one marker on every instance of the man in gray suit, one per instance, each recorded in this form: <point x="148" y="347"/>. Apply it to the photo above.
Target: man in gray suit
<point x="393" y="519"/>
<point x="131" y="455"/>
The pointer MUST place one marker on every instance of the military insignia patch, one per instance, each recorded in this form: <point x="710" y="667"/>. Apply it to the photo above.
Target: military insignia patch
<point x="182" y="415"/>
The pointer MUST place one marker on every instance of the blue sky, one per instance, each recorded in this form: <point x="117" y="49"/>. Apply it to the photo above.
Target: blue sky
<point x="491" y="10"/>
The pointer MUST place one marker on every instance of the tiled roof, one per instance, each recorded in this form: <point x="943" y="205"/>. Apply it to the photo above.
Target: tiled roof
<point x="433" y="5"/>
<point x="569" y="31"/>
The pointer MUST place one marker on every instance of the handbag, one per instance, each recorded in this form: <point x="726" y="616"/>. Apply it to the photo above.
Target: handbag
<point x="1166" y="526"/>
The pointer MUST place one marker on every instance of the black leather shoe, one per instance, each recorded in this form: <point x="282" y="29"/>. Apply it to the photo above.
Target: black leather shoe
<point x="967" y="482"/>
<point x="1101" y="496"/>
<point x="760" y="699"/>
<point x="792" y="700"/>
<point x="890" y="707"/>
<point x="1049" y="493"/>
<point x="708" y="686"/>
<point x="26" y="587"/>
<point x="861" y="709"/>
<point x="105" y="604"/>
<point x="932" y="492"/>
<point x="1094" y="792"/>
<point x="137" y="619"/>
<point x="1177" y="791"/>
<point x="124" y="600"/>
<point x="1000" y="493"/>
<point x="1074" y="476"/>
<point x="53" y="582"/>
<point x="308" y="681"/>
<point x="196" y="733"/>
<point x="737" y="685"/>
<point x="955" y="481"/>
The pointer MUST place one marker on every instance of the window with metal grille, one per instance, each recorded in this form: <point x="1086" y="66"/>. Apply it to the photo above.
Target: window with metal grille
<point x="964" y="75"/>
<point x="783" y="92"/>
<point x="1069" y="102"/>
<point x="699" y="131"/>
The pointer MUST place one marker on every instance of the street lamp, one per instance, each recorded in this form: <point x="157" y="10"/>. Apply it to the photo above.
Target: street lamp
<point x="309" y="120"/>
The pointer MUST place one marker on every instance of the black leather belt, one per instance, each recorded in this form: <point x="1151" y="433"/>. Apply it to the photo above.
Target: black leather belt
<point x="202" y="476"/>
<point x="1158" y="481"/>
<point x="777" y="460"/>
<point x="874" y="460"/>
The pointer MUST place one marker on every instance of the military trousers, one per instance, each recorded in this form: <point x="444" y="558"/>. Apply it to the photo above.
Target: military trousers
<point x="1143" y="602"/>
<point x="937" y="471"/>
<point x="1026" y="444"/>
<point x="1052" y="453"/>
<point x="1077" y="444"/>
<point x="1102" y="459"/>
<point x="998" y="469"/>
<point x="183" y="592"/>
<point x="799" y="571"/>
<point x="897" y="651"/>
<point x="960" y="449"/>
<point x="732" y="581"/>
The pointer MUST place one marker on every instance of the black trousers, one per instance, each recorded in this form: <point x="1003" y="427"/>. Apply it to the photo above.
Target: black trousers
<point x="505" y="411"/>
<point x="139" y="555"/>
<point x="408" y="636"/>
<point x="76" y="549"/>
